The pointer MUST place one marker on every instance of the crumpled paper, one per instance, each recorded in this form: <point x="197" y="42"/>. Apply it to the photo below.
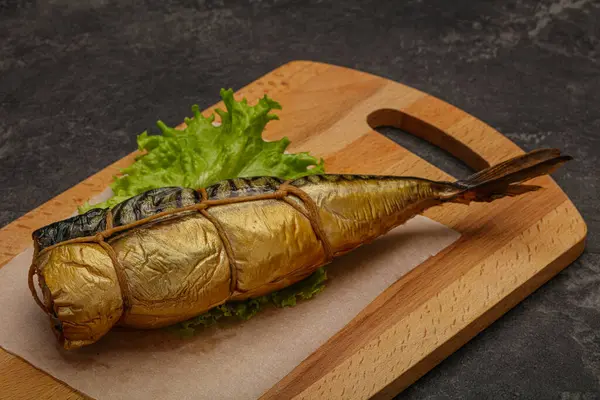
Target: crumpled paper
<point x="233" y="360"/>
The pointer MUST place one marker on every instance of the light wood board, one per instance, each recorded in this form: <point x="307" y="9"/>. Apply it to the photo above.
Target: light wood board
<point x="507" y="248"/>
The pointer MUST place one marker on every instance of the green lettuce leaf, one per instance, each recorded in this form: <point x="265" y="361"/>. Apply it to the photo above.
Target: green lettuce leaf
<point x="203" y="154"/>
<point x="244" y="310"/>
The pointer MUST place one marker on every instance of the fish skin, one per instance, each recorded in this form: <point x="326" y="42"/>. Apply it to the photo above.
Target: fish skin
<point x="178" y="268"/>
<point x="240" y="187"/>
<point x="87" y="224"/>
<point x="200" y="257"/>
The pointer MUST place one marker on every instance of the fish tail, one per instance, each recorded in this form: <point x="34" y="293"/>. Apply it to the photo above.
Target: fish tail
<point x="505" y="179"/>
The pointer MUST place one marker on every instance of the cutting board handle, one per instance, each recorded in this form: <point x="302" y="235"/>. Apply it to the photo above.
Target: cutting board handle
<point x="465" y="137"/>
<point x="426" y="131"/>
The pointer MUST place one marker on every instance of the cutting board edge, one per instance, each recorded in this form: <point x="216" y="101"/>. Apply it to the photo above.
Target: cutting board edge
<point x="301" y="64"/>
<point x="413" y="373"/>
<point x="484" y="321"/>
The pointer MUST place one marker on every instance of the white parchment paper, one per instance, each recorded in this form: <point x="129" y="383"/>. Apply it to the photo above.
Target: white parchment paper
<point x="239" y="360"/>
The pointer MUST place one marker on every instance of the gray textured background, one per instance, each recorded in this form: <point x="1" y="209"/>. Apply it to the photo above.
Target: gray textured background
<point x="79" y="79"/>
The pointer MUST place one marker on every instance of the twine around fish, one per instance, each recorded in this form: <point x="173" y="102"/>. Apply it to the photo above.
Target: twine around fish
<point x="310" y="212"/>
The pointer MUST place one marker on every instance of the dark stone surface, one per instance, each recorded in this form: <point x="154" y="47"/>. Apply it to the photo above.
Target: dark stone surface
<point x="79" y="79"/>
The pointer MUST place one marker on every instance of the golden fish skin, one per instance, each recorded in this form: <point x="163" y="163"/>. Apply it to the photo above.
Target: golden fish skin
<point x="80" y="282"/>
<point x="178" y="268"/>
<point x="270" y="241"/>
<point x="237" y="239"/>
<point x="357" y="209"/>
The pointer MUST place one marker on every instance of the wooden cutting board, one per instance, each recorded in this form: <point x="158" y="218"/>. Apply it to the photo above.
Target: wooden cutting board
<point x="507" y="248"/>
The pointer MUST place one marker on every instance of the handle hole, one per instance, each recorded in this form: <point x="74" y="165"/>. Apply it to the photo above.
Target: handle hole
<point x="427" y="141"/>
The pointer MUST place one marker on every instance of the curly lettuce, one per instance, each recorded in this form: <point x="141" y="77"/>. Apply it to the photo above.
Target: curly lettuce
<point x="205" y="153"/>
<point x="244" y="310"/>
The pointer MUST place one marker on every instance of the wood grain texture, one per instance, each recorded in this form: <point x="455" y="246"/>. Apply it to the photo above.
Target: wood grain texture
<point x="507" y="249"/>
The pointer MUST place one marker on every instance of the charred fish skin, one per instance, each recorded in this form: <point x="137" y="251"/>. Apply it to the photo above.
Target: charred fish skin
<point x="163" y="199"/>
<point x="147" y="204"/>
<point x="131" y="210"/>
<point x="87" y="224"/>
<point x="242" y="187"/>
<point x="152" y="202"/>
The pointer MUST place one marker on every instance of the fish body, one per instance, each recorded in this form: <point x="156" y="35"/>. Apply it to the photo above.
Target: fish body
<point x="170" y="254"/>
